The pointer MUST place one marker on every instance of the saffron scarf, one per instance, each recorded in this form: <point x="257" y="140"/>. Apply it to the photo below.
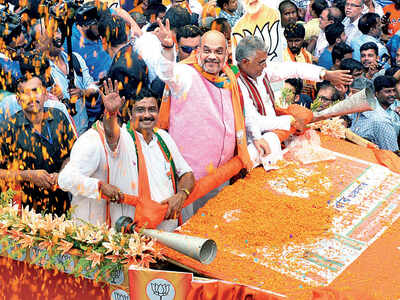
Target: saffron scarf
<point x="304" y="52"/>
<point x="148" y="213"/>
<point x="310" y="86"/>
<point x="227" y="81"/>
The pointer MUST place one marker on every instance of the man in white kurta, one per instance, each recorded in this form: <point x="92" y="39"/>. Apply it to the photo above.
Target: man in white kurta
<point x="251" y="55"/>
<point x="88" y="166"/>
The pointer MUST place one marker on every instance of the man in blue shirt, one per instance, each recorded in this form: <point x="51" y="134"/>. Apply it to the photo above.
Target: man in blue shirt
<point x="334" y="35"/>
<point x="379" y="126"/>
<point x="11" y="39"/>
<point x="87" y="42"/>
<point x="371" y="28"/>
<point x="229" y="11"/>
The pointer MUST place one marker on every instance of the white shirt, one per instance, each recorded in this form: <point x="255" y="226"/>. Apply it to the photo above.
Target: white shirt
<point x="378" y="9"/>
<point x="257" y="123"/>
<point x="321" y="44"/>
<point x="87" y="166"/>
<point x="351" y="29"/>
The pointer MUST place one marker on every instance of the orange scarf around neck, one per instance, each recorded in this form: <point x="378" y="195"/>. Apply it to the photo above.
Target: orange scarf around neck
<point x="303" y="51"/>
<point x="230" y="82"/>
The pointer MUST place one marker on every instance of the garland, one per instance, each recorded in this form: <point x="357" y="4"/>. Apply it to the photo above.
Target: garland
<point x="99" y="250"/>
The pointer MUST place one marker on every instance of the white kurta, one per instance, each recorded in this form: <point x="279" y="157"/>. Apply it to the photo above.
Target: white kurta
<point x="87" y="166"/>
<point x="258" y="125"/>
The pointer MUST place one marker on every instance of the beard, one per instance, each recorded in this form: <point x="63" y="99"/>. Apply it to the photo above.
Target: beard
<point x="54" y="51"/>
<point x="92" y="35"/>
<point x="295" y="50"/>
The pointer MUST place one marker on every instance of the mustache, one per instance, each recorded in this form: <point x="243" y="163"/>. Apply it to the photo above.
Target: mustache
<point x="147" y="119"/>
<point x="212" y="61"/>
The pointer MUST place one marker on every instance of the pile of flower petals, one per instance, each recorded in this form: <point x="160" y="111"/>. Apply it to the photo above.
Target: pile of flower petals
<point x="252" y="213"/>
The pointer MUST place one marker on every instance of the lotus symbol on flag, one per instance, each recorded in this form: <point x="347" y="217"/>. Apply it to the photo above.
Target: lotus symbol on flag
<point x="269" y="34"/>
<point x="160" y="289"/>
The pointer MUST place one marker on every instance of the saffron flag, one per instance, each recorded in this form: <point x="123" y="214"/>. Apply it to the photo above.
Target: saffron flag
<point x="147" y="284"/>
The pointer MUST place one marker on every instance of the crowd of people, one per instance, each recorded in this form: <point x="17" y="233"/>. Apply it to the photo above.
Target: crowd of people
<point x="154" y="97"/>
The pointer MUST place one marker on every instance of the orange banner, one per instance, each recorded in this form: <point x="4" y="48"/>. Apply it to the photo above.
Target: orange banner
<point x="158" y="285"/>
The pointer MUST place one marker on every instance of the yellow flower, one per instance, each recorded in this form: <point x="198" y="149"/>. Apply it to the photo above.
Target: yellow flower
<point x="94" y="237"/>
<point x="64" y="246"/>
<point x="112" y="247"/>
<point x="80" y="234"/>
<point x="95" y="257"/>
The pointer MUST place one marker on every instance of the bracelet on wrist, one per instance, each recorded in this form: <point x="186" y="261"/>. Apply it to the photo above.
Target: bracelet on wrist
<point x="99" y="184"/>
<point x="110" y="114"/>
<point x="186" y="191"/>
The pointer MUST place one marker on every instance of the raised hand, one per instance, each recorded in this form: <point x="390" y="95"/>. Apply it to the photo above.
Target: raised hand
<point x="164" y="34"/>
<point x="111" y="99"/>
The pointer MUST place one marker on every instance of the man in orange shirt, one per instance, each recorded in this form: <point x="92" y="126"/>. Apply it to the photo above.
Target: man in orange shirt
<point x="394" y="19"/>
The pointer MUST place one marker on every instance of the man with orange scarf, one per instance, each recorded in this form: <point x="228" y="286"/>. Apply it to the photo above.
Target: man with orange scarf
<point x="112" y="162"/>
<point x="265" y="120"/>
<point x="203" y="113"/>
<point x="294" y="34"/>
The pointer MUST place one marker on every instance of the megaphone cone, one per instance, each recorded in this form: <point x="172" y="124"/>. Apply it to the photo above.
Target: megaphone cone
<point x="203" y="250"/>
<point x="362" y="101"/>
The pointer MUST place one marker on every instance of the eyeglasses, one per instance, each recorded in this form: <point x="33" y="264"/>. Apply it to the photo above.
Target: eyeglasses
<point x="188" y="49"/>
<point x="352" y="5"/>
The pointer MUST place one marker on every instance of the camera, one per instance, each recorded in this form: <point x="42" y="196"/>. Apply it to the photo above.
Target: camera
<point x="10" y="25"/>
<point x="87" y="14"/>
<point x="383" y="60"/>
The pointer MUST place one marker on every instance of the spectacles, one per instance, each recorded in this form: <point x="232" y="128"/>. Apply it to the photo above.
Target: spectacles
<point x="188" y="49"/>
<point x="352" y="5"/>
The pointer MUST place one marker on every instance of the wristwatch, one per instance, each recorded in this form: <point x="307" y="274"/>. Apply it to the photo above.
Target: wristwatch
<point x="322" y="75"/>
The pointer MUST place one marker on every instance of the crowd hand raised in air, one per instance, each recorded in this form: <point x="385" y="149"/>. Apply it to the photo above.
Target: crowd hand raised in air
<point x="164" y="34"/>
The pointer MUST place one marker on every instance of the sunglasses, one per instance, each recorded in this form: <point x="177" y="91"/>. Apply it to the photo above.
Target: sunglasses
<point x="188" y="49"/>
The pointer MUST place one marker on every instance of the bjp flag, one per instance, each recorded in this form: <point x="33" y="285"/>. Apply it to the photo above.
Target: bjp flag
<point x="145" y="284"/>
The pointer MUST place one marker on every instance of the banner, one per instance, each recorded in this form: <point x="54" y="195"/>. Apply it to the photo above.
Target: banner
<point x="158" y="285"/>
<point x="262" y="20"/>
<point x="347" y="212"/>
